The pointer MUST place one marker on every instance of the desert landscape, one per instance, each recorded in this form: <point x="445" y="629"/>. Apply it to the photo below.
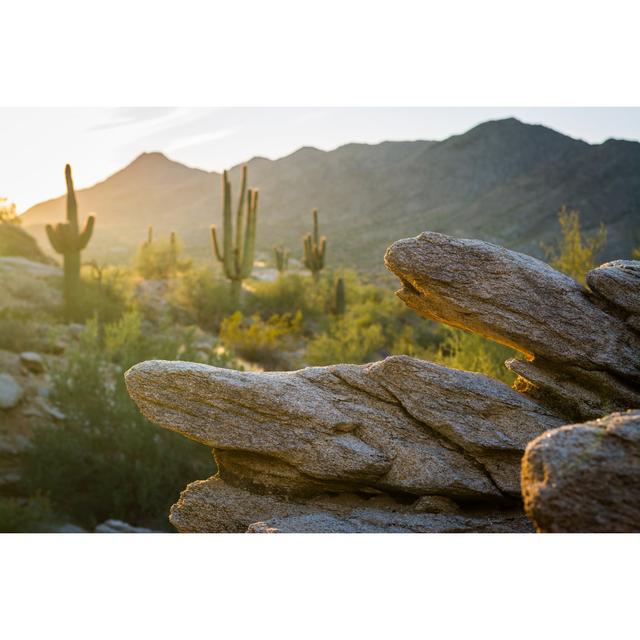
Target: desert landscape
<point x="408" y="336"/>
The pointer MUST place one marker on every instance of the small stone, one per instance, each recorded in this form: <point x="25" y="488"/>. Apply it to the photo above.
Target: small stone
<point x="70" y="528"/>
<point x="10" y="391"/>
<point x="118" y="526"/>
<point x="32" y="361"/>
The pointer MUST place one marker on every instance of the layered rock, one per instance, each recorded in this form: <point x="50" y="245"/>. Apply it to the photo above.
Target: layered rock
<point x="585" y="477"/>
<point x="403" y="444"/>
<point x="583" y="357"/>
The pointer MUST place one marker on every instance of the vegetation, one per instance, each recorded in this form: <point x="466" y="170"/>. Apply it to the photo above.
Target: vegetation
<point x="575" y="254"/>
<point x="282" y="259"/>
<point x="8" y="213"/>
<point x="314" y="249"/>
<point x="160" y="260"/>
<point x="105" y="460"/>
<point x="237" y="254"/>
<point x="67" y="239"/>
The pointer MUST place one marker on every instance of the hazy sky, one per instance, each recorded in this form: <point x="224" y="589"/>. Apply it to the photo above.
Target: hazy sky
<point x="36" y="143"/>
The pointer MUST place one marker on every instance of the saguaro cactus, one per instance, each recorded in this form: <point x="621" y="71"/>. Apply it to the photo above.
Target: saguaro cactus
<point x="149" y="236"/>
<point x="237" y="254"/>
<point x="67" y="239"/>
<point x="282" y="259"/>
<point x="314" y="249"/>
<point x="340" y="305"/>
<point x="173" y="254"/>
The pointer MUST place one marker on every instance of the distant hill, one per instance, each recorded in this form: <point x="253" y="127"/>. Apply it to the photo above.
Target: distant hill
<point x="16" y="242"/>
<point x="502" y="181"/>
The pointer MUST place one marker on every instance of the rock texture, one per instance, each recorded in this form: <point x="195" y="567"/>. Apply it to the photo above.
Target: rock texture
<point x="403" y="444"/>
<point x="585" y="477"/>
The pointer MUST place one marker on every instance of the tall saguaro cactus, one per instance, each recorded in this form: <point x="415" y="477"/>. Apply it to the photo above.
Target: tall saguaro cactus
<point x="67" y="239"/>
<point x="314" y="249"/>
<point x="238" y="252"/>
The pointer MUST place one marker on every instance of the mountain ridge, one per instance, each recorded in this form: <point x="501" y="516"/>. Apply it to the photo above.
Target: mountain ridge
<point x="502" y="181"/>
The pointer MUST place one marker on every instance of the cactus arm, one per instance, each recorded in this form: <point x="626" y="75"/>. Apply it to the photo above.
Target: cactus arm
<point x="214" y="243"/>
<point x="316" y="229"/>
<point x="239" y="214"/>
<point x="85" y="234"/>
<point x="53" y="239"/>
<point x="227" y="229"/>
<point x="322" y="249"/>
<point x="72" y="205"/>
<point x="250" y="234"/>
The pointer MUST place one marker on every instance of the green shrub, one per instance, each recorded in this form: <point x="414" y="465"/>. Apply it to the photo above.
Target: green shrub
<point x="25" y="515"/>
<point x="22" y="329"/>
<point x="262" y="341"/>
<point x="106" y="460"/>
<point x="160" y="260"/>
<point x="204" y="296"/>
<point x="575" y="254"/>
<point x="471" y="352"/>
<point x="346" y="341"/>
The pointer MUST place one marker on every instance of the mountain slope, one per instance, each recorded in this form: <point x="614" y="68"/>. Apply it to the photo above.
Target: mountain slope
<point x="502" y="181"/>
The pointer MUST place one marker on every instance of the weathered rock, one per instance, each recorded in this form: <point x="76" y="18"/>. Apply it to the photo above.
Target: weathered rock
<point x="32" y="361"/>
<point x="514" y="299"/>
<point x="398" y="425"/>
<point x="213" y="505"/>
<point x="10" y="391"/>
<point x="585" y="477"/>
<point x="619" y="283"/>
<point x="577" y="393"/>
<point x="402" y="444"/>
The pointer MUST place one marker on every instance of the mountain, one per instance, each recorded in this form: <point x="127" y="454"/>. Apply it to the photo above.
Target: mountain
<point x="502" y="181"/>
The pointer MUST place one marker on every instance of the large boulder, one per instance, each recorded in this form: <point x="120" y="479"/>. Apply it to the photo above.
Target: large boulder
<point x="403" y="444"/>
<point x="10" y="391"/>
<point x="585" y="477"/>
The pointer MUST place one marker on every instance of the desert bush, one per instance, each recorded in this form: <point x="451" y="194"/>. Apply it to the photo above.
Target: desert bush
<point x="25" y="515"/>
<point x="23" y="329"/>
<point x="263" y="341"/>
<point x="575" y="254"/>
<point x="471" y="352"/>
<point x="204" y="296"/>
<point x="103" y="293"/>
<point x="160" y="260"/>
<point x="346" y="341"/>
<point x="105" y="460"/>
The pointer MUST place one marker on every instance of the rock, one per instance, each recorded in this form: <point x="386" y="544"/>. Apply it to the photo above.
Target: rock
<point x="584" y="478"/>
<point x="10" y="391"/>
<point x="118" y="526"/>
<point x="70" y="528"/>
<point x="577" y="393"/>
<point x="397" y="425"/>
<point x="619" y="283"/>
<point x="435" y="504"/>
<point x="49" y="409"/>
<point x="32" y="361"/>
<point x="213" y="505"/>
<point x="403" y="444"/>
<point x="514" y="299"/>
<point x="75" y="329"/>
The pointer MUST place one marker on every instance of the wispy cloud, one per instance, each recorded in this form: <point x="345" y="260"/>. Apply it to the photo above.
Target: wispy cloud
<point x="125" y="116"/>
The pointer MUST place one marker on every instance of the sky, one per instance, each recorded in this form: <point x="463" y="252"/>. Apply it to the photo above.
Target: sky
<point x="36" y="143"/>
